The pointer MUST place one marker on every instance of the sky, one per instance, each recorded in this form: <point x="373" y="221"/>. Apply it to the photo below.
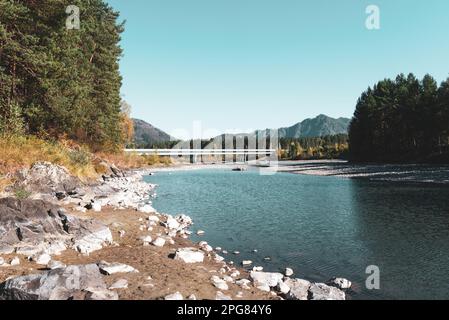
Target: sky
<point x="214" y="66"/>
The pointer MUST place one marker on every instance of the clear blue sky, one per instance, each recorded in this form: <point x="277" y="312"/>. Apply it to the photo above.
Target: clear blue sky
<point x="252" y="64"/>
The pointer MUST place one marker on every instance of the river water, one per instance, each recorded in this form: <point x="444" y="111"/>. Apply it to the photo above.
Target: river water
<point x="321" y="227"/>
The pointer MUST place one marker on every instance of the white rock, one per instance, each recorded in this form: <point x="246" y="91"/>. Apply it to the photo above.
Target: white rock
<point x="270" y="279"/>
<point x="235" y="274"/>
<point x="221" y="296"/>
<point x="258" y="269"/>
<point x="263" y="287"/>
<point x="191" y="297"/>
<point x="239" y="295"/>
<point x="283" y="288"/>
<point x="299" y="289"/>
<point x="153" y="218"/>
<point x="218" y="258"/>
<point x="236" y="252"/>
<point x="2" y="261"/>
<point x="55" y="265"/>
<point x="174" y="296"/>
<point x="119" y="284"/>
<point x="218" y="249"/>
<point x="96" y="207"/>
<point x="200" y="232"/>
<point x="247" y="262"/>
<point x="55" y="248"/>
<point x="172" y="223"/>
<point x="146" y="209"/>
<point x="219" y="283"/>
<point x="122" y="233"/>
<point x="15" y="261"/>
<point x="340" y="283"/>
<point x="159" y="242"/>
<point x="146" y="240"/>
<point x="243" y="283"/>
<point x="228" y="279"/>
<point x="321" y="291"/>
<point x="42" y="259"/>
<point x="189" y="255"/>
<point x="288" y="272"/>
<point x="111" y="268"/>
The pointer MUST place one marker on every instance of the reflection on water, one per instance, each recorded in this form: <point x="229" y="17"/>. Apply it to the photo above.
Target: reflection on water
<point x="321" y="226"/>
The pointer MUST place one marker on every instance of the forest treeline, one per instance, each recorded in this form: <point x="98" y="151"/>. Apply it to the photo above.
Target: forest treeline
<point x="402" y="120"/>
<point x="312" y="148"/>
<point x="56" y="81"/>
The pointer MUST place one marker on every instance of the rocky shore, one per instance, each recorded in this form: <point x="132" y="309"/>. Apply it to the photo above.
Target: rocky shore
<point x="104" y="241"/>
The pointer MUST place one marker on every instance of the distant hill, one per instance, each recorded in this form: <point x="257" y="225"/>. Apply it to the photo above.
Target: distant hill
<point x="146" y="135"/>
<point x="320" y="126"/>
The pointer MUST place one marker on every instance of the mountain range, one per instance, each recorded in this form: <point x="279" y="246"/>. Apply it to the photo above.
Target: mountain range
<point x="146" y="135"/>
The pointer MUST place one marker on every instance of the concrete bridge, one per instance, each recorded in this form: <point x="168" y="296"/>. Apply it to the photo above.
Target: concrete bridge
<point x="228" y="155"/>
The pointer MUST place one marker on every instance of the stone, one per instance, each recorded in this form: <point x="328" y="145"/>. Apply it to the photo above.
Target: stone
<point x="283" y="288"/>
<point x="236" y="252"/>
<point x="239" y="295"/>
<point x="243" y="283"/>
<point x="200" y="232"/>
<point x="270" y="279"/>
<point x="299" y="289"/>
<point x="159" y="242"/>
<point x="247" y="262"/>
<point x="321" y="291"/>
<point x="112" y="268"/>
<point x="235" y="274"/>
<point x="6" y="249"/>
<point x="174" y="296"/>
<point x="122" y="233"/>
<point x="146" y="240"/>
<point x="42" y="259"/>
<point x="119" y="284"/>
<point x="340" y="283"/>
<point x="92" y="236"/>
<point x="15" y="261"/>
<point x="219" y="283"/>
<point x="82" y="281"/>
<point x="189" y="255"/>
<point x="221" y="296"/>
<point x="55" y="265"/>
<point x="219" y="258"/>
<point x="288" y="272"/>
<point x="146" y="209"/>
<point x="96" y="207"/>
<point x="191" y="297"/>
<point x="172" y="223"/>
<point x="258" y="269"/>
<point x="153" y="218"/>
<point x="46" y="178"/>
<point x="2" y="261"/>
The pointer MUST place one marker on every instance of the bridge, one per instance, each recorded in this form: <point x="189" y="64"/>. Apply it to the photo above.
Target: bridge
<point x="238" y="155"/>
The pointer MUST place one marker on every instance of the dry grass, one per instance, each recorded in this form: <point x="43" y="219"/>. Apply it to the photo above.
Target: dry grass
<point x="18" y="152"/>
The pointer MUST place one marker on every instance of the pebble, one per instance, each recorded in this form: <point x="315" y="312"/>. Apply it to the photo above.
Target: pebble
<point x="159" y="242"/>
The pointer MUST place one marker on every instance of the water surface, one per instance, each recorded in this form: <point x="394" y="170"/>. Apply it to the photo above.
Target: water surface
<point x="321" y="226"/>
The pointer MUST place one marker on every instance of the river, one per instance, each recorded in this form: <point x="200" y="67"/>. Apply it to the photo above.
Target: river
<point x="321" y="227"/>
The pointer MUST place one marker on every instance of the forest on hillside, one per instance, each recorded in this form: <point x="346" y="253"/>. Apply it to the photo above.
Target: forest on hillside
<point x="57" y="81"/>
<point x="402" y="120"/>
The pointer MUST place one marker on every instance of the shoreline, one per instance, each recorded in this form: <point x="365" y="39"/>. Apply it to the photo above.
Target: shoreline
<point x="129" y="234"/>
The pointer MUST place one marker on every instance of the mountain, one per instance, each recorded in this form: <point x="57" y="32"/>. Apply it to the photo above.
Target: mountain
<point x="320" y="126"/>
<point x="146" y="135"/>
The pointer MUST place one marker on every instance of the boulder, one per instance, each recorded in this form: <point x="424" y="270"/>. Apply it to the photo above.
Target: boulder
<point x="288" y="272"/>
<point x="15" y="261"/>
<point x="83" y="282"/>
<point x="112" y="268"/>
<point x="243" y="283"/>
<point x="340" y="283"/>
<point x="264" y="279"/>
<point x="189" y="255"/>
<point x="47" y="178"/>
<point x="55" y="265"/>
<point x="219" y="283"/>
<point x="119" y="284"/>
<point x="159" y="242"/>
<point x="299" y="289"/>
<point x="321" y="291"/>
<point x="146" y="209"/>
<point x="283" y="288"/>
<point x="42" y="259"/>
